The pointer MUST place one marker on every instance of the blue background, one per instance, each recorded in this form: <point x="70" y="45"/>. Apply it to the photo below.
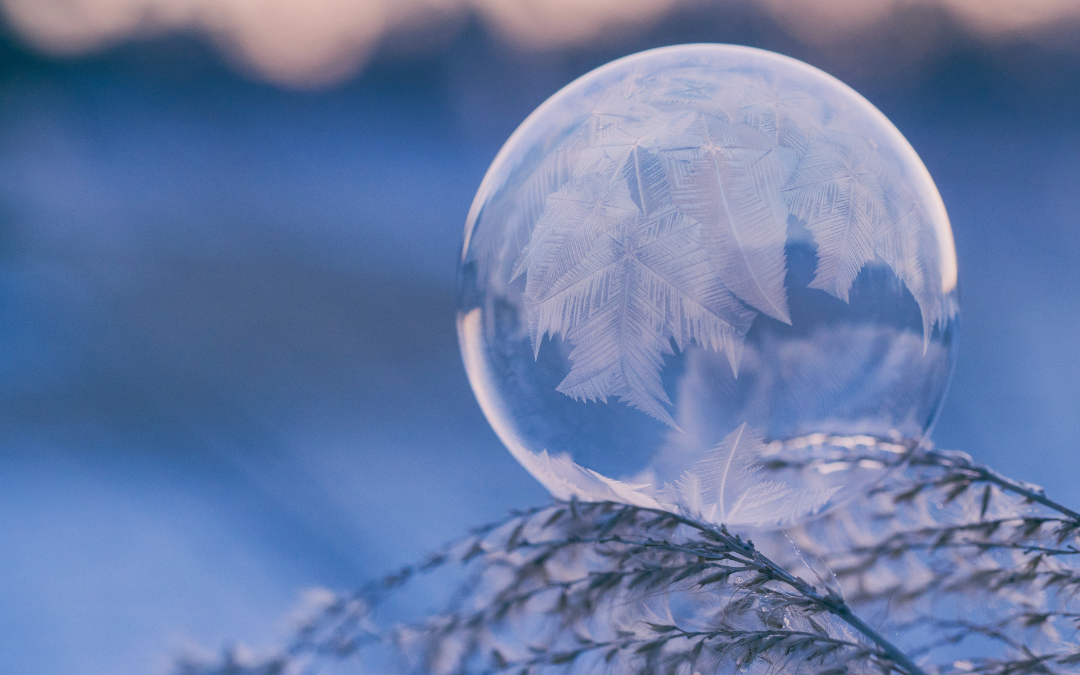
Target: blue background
<point x="228" y="367"/>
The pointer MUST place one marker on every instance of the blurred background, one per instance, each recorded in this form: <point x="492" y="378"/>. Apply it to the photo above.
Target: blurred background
<point x="228" y="234"/>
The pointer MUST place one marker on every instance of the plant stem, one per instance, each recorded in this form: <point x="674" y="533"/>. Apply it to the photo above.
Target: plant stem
<point x="984" y="473"/>
<point x="830" y="602"/>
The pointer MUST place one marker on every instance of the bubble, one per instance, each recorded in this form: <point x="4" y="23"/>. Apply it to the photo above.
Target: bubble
<point x="708" y="279"/>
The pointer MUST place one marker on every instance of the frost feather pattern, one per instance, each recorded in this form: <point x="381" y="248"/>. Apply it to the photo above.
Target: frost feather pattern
<point x="728" y="178"/>
<point x="728" y="487"/>
<point x="621" y="286"/>
<point x="838" y="191"/>
<point x="664" y="224"/>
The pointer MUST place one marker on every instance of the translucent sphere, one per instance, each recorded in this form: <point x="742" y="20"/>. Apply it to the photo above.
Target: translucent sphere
<point x="709" y="279"/>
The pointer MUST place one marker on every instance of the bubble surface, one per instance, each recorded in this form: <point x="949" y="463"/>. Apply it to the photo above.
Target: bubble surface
<point x="709" y="279"/>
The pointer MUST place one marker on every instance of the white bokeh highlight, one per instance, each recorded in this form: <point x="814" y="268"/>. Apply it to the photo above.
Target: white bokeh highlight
<point x="317" y="42"/>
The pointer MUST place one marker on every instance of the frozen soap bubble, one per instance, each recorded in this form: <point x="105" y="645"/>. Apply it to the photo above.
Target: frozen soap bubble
<point x="709" y="279"/>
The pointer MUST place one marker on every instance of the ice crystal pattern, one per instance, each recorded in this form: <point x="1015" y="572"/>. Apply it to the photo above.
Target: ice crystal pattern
<point x="660" y="220"/>
<point x="729" y="486"/>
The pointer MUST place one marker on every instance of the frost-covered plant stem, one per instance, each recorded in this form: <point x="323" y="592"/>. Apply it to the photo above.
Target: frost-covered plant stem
<point x="954" y="551"/>
<point x="962" y="471"/>
<point x="968" y="571"/>
<point x="829" y="601"/>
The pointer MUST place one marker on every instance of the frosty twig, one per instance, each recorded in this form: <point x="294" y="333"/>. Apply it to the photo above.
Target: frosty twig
<point x="961" y="568"/>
